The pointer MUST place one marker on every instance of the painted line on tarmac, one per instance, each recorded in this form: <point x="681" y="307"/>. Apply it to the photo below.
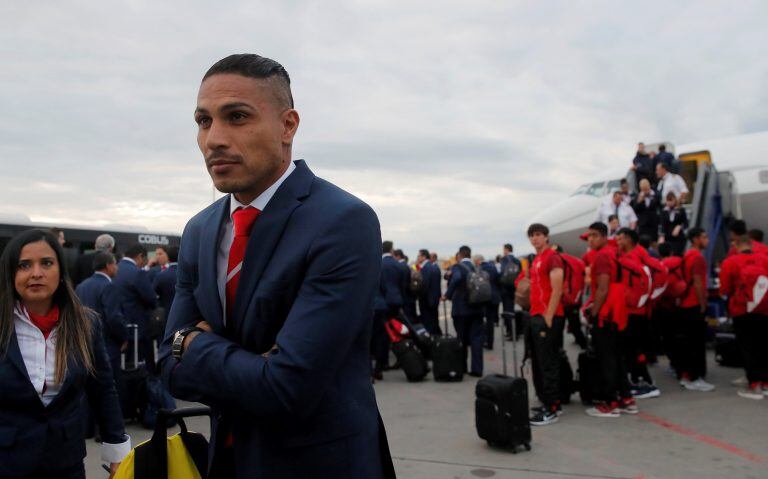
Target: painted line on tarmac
<point x="507" y="468"/>
<point x="702" y="438"/>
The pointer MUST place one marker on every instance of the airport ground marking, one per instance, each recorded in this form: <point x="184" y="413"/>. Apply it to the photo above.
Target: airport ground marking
<point x="508" y="468"/>
<point x="701" y="437"/>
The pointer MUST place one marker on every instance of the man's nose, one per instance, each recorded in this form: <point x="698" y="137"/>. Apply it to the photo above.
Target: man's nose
<point x="216" y="137"/>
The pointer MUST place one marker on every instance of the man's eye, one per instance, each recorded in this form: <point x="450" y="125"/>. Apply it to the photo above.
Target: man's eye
<point x="203" y="121"/>
<point x="237" y="116"/>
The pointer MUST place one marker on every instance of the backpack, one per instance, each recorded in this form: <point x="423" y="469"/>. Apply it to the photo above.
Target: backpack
<point x="753" y="284"/>
<point x="677" y="287"/>
<point x="636" y="278"/>
<point x="478" y="285"/>
<point x="573" y="280"/>
<point x="509" y="273"/>
<point x="417" y="281"/>
<point x="659" y="276"/>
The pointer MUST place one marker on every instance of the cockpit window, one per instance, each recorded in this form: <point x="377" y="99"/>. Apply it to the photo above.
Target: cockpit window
<point x="614" y="185"/>
<point x="581" y="190"/>
<point x="595" y="189"/>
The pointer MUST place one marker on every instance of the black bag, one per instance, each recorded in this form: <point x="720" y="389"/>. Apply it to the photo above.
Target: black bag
<point x="501" y="407"/>
<point x="727" y="350"/>
<point x="479" y="289"/>
<point x="448" y="361"/>
<point x="566" y="379"/>
<point x="509" y="274"/>
<point x="420" y="336"/>
<point x="590" y="380"/>
<point x="417" y="281"/>
<point x="411" y="361"/>
<point x="157" y="323"/>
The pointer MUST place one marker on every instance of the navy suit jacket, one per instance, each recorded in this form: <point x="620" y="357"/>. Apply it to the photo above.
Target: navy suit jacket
<point x="493" y="274"/>
<point x="165" y="287"/>
<point x="307" y="284"/>
<point x="432" y="290"/>
<point x="137" y="295"/>
<point x="32" y="434"/>
<point x="99" y="294"/>
<point x="392" y="288"/>
<point x="457" y="292"/>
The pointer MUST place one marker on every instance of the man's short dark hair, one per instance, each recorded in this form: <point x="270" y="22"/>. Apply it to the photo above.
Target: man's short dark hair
<point x="136" y="250"/>
<point x="538" y="228"/>
<point x="424" y="253"/>
<point x="738" y="227"/>
<point x="102" y="259"/>
<point x="613" y="217"/>
<point x="645" y="241"/>
<point x="662" y="148"/>
<point x="387" y="246"/>
<point x="629" y="233"/>
<point x="255" y="66"/>
<point x="665" y="250"/>
<point x="465" y="252"/>
<point x="173" y="253"/>
<point x="509" y="247"/>
<point x="623" y="181"/>
<point x="694" y="233"/>
<point x="756" y="235"/>
<point x="600" y="227"/>
<point x="398" y="253"/>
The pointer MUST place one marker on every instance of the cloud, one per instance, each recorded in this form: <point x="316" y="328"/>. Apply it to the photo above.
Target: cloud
<point x="455" y="120"/>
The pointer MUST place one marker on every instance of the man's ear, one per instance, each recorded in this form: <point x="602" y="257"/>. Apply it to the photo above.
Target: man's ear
<point x="290" y="119"/>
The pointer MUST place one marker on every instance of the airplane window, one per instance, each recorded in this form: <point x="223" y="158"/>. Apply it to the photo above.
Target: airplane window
<point x="581" y="190"/>
<point x="595" y="189"/>
<point x="614" y="185"/>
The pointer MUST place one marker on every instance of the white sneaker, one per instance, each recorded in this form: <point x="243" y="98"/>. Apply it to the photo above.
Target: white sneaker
<point x="686" y="384"/>
<point x="701" y="385"/>
<point x="754" y="392"/>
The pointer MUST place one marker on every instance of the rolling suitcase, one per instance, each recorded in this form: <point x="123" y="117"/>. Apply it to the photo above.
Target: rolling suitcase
<point x="448" y="361"/>
<point x="566" y="379"/>
<point x="421" y="337"/>
<point x="135" y="376"/>
<point x="411" y="361"/>
<point x="501" y="407"/>
<point x="727" y="350"/>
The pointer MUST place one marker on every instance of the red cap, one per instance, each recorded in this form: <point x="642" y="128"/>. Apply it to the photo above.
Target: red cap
<point x="584" y="236"/>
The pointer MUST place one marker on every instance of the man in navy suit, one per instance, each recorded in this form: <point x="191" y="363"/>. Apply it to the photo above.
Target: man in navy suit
<point x="101" y="295"/>
<point x="409" y="297"/>
<point x="510" y="266"/>
<point x="278" y="277"/>
<point x="490" y="310"/>
<point x="138" y="298"/>
<point x="388" y="304"/>
<point x="164" y="283"/>
<point x="429" y="297"/>
<point x="467" y="318"/>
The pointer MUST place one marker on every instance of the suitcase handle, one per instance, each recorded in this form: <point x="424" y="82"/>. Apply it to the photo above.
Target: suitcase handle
<point x="511" y="317"/>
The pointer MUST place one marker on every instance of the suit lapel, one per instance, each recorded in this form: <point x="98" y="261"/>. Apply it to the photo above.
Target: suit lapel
<point x="14" y="354"/>
<point x="208" y="274"/>
<point x="266" y="234"/>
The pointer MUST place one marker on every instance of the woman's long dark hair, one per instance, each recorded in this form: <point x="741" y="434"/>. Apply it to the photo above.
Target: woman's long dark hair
<point x="73" y="340"/>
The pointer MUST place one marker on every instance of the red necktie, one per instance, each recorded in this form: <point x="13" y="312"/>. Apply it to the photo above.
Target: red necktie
<point x="243" y="219"/>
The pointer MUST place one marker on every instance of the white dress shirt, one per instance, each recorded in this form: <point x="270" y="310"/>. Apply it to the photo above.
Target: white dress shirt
<point x="228" y="234"/>
<point x="626" y="214"/>
<point x="672" y="183"/>
<point x="39" y="355"/>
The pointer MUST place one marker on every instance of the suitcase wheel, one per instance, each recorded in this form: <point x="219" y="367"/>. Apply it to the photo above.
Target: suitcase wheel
<point x="527" y="446"/>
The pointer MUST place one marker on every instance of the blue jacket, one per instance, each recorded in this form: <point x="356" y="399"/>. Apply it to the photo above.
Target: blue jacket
<point x="165" y="286"/>
<point x="99" y="294"/>
<point x="392" y="286"/>
<point x="307" y="284"/>
<point x="137" y="295"/>
<point x="457" y="292"/>
<point x="432" y="281"/>
<point x="32" y="434"/>
<point x="493" y="273"/>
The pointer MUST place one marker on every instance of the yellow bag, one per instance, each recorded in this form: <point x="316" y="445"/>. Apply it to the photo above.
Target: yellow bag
<point x="181" y="456"/>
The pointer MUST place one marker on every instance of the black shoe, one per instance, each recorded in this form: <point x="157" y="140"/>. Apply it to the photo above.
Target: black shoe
<point x="543" y="418"/>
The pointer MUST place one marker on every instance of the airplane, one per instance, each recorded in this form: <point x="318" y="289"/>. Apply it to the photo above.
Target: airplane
<point x="727" y="178"/>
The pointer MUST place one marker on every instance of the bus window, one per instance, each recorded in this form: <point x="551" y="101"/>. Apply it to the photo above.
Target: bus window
<point x="596" y="189"/>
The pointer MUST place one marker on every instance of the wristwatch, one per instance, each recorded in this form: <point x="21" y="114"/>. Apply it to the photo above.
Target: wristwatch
<point x="177" y="347"/>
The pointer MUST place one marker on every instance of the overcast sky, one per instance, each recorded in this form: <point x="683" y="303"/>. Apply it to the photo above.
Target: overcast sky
<point x="455" y="120"/>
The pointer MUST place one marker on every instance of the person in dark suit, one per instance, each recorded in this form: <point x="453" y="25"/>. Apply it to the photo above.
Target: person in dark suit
<point x="490" y="310"/>
<point x="84" y="264"/>
<point x="271" y="323"/>
<point x="99" y="294"/>
<point x="674" y="222"/>
<point x="164" y="283"/>
<point x="646" y="206"/>
<point x="510" y="266"/>
<point x="467" y="318"/>
<point x="41" y="434"/>
<point x="409" y="297"/>
<point x="643" y="166"/>
<point x="387" y="304"/>
<point x="137" y="298"/>
<point x="429" y="297"/>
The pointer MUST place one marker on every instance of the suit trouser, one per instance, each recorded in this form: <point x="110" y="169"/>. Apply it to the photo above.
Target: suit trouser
<point x="607" y="342"/>
<point x="545" y="346"/>
<point x="751" y="334"/>
<point x="690" y="343"/>
<point x="469" y="330"/>
<point x="380" y="341"/>
<point x="491" y="320"/>
<point x="430" y="317"/>
<point x="634" y="343"/>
